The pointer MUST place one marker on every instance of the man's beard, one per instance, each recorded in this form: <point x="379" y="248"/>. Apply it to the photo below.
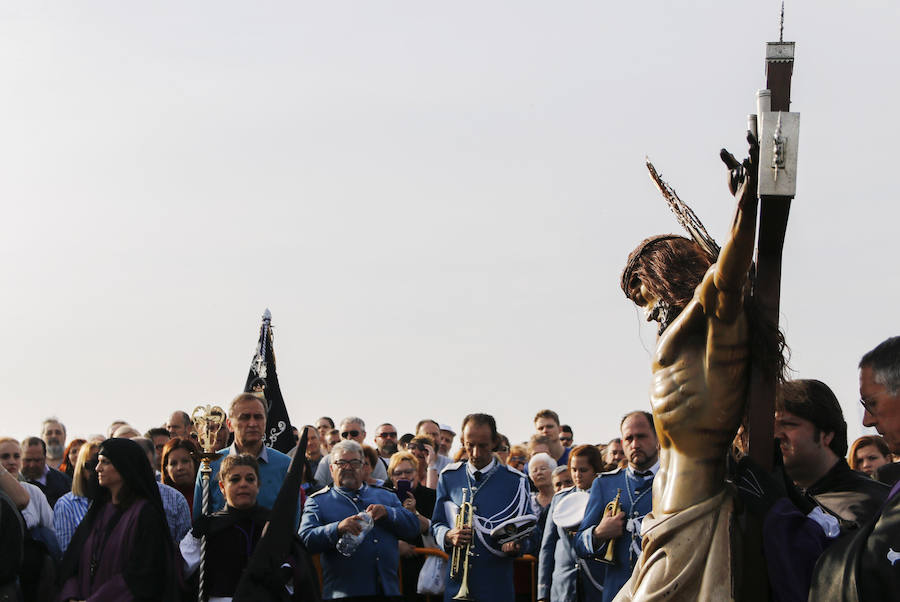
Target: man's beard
<point x="389" y="448"/>
<point x="55" y="450"/>
<point x="349" y="482"/>
<point x="641" y="461"/>
<point x="664" y="313"/>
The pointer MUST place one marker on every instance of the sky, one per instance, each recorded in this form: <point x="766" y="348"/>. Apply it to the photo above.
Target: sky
<point x="435" y="200"/>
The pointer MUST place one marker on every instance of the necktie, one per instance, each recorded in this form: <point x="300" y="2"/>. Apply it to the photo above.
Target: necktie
<point x="478" y="476"/>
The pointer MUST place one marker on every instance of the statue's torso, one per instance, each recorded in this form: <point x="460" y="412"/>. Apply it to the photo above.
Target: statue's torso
<point x="700" y="373"/>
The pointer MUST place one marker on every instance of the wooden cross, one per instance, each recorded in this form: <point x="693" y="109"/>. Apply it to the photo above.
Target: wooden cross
<point x="773" y="217"/>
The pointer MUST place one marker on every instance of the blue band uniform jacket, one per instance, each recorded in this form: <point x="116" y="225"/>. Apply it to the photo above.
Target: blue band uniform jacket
<point x="490" y="575"/>
<point x="375" y="561"/>
<point x="627" y="547"/>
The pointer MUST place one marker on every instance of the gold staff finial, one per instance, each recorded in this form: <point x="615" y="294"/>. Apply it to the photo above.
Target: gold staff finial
<point x="208" y="420"/>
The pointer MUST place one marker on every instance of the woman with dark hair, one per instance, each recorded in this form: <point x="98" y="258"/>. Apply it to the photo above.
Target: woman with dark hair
<point x="122" y="549"/>
<point x="179" y="463"/>
<point x="70" y="456"/>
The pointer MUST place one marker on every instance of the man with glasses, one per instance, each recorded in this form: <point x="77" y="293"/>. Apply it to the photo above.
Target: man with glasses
<point x="351" y="428"/>
<point x="865" y="566"/>
<point x="370" y="572"/>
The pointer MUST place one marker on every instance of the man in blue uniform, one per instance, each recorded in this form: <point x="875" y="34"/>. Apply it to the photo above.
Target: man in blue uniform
<point x="634" y="486"/>
<point x="499" y="495"/>
<point x="370" y="572"/>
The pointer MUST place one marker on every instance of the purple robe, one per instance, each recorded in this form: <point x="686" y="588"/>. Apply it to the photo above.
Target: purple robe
<point x="129" y="552"/>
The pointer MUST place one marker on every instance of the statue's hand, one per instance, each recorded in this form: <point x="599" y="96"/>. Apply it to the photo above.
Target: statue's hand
<point x="742" y="176"/>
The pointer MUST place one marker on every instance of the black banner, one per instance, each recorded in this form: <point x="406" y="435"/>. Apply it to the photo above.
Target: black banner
<point x="263" y="379"/>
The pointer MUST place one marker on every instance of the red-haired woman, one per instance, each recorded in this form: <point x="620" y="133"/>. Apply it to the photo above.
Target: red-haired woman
<point x="179" y="463"/>
<point x="868" y="453"/>
<point x="70" y="456"/>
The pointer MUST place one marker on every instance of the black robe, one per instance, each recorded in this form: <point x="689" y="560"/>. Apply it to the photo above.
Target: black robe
<point x="865" y="565"/>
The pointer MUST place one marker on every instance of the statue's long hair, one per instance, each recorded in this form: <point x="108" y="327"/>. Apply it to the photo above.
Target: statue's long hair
<point x="671" y="267"/>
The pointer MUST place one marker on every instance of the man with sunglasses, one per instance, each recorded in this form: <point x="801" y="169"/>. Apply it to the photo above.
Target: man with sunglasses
<point x="370" y="572"/>
<point x="566" y="437"/>
<point x="352" y="428"/>
<point x="386" y="442"/>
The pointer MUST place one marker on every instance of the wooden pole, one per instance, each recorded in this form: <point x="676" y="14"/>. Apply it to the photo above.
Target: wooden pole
<point x="773" y="217"/>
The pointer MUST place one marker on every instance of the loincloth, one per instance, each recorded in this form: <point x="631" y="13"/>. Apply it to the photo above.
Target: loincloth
<point x="686" y="555"/>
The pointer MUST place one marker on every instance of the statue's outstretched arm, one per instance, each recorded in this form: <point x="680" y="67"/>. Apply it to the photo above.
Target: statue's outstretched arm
<point x="722" y="289"/>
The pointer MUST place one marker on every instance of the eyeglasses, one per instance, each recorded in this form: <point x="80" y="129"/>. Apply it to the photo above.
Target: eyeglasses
<point x="566" y="439"/>
<point x="517" y="458"/>
<point x="404" y="473"/>
<point x="415" y="447"/>
<point x="348" y="463"/>
<point x="388" y="434"/>
<point x="869" y="404"/>
<point x="349" y="434"/>
<point x="503" y="448"/>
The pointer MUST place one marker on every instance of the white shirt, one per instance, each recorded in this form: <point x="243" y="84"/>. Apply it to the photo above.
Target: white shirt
<point x="38" y="511"/>
<point x="653" y="469"/>
<point x="470" y="468"/>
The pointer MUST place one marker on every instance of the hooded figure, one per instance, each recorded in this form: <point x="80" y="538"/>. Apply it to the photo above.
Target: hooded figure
<point x="122" y="549"/>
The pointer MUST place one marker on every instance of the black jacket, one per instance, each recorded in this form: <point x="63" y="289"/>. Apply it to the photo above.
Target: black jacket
<point x="850" y="496"/>
<point x="58" y="485"/>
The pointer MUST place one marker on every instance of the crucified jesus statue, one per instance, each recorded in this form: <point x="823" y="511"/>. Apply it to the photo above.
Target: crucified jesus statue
<point x="699" y="387"/>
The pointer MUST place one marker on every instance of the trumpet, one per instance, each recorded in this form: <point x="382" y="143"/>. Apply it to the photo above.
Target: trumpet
<point x="612" y="509"/>
<point x="459" y="561"/>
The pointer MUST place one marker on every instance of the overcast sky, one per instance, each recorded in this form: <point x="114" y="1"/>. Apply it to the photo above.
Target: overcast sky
<point x="434" y="200"/>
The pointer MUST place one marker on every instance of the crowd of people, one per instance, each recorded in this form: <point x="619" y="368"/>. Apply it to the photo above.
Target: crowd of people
<point x="119" y="516"/>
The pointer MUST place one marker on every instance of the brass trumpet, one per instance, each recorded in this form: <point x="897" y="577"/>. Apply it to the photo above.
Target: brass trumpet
<point x="459" y="560"/>
<point x="612" y="509"/>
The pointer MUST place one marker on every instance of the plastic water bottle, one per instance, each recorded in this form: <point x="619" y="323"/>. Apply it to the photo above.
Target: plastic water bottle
<point x="348" y="543"/>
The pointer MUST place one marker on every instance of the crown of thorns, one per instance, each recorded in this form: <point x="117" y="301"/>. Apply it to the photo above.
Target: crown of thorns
<point x="685" y="216"/>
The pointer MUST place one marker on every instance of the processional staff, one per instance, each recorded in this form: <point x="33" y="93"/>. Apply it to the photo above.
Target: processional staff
<point x="208" y="420"/>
